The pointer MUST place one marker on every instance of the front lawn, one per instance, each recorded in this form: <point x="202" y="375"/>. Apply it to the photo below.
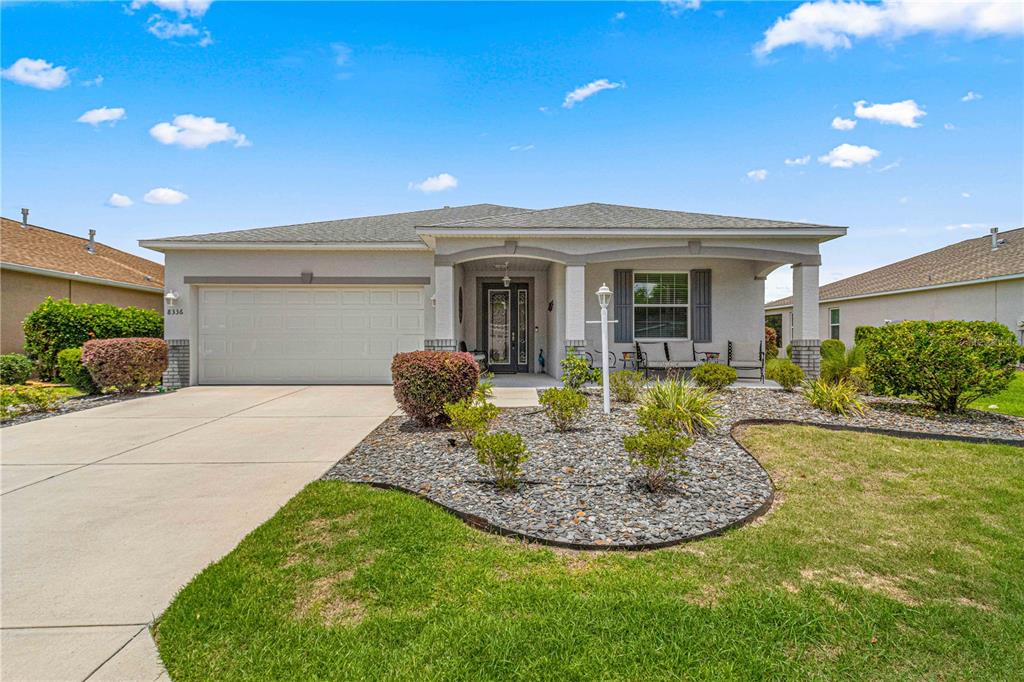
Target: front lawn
<point x="884" y="558"/>
<point x="1008" y="401"/>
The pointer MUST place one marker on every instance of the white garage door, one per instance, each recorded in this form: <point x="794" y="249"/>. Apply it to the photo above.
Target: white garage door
<point x="323" y="335"/>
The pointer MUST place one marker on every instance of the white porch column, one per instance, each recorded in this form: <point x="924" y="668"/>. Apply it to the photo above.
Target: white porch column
<point x="806" y="342"/>
<point x="575" y="305"/>
<point x="444" y="309"/>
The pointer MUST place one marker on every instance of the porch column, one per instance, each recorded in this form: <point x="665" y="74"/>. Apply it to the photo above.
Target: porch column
<point x="444" y="309"/>
<point x="575" y="304"/>
<point x="806" y="341"/>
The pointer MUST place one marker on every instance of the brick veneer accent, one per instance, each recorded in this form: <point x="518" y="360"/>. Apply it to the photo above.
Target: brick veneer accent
<point x="807" y="354"/>
<point x="177" y="374"/>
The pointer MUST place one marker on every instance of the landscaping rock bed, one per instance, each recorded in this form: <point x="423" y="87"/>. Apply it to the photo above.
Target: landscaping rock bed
<point x="578" y="491"/>
<point x="86" y="402"/>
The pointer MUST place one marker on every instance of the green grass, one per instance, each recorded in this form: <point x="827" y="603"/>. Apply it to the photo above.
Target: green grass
<point x="1008" y="401"/>
<point x="885" y="559"/>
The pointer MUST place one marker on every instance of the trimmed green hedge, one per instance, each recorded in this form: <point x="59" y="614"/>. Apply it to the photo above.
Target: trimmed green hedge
<point x="73" y="372"/>
<point x="59" y="324"/>
<point x="15" y="368"/>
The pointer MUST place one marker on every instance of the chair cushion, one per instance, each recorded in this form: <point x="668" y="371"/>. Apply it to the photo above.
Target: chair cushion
<point x="746" y="352"/>
<point x="680" y="352"/>
<point x="687" y="365"/>
<point x="655" y="352"/>
<point x="743" y="364"/>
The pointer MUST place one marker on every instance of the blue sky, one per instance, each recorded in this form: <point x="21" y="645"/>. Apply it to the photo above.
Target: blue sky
<point x="254" y="114"/>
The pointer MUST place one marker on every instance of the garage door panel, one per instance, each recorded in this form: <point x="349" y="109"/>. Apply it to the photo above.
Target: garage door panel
<point x="322" y="335"/>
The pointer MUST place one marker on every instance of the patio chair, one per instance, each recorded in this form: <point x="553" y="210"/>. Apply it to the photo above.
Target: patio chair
<point x="681" y="355"/>
<point x="747" y="356"/>
<point x="591" y="354"/>
<point x="478" y="355"/>
<point x="651" y="355"/>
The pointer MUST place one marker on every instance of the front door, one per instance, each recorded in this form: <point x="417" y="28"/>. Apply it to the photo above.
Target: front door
<point x="507" y="327"/>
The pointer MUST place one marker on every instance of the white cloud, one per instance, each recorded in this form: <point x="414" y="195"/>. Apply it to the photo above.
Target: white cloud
<point x="949" y="126"/>
<point x="971" y="96"/>
<point x="109" y="115"/>
<point x="677" y="7"/>
<point x="965" y="195"/>
<point x="167" y="30"/>
<point x="757" y="175"/>
<point x="206" y="40"/>
<point x="588" y="90"/>
<point x="967" y="226"/>
<point x="197" y="132"/>
<point x="798" y="161"/>
<point x="831" y="25"/>
<point x="542" y="110"/>
<point x="903" y="113"/>
<point x="618" y="16"/>
<point x="97" y="81"/>
<point x="889" y="166"/>
<point x="37" y="73"/>
<point x="904" y="200"/>
<point x="849" y="155"/>
<point x="183" y="8"/>
<point x="121" y="201"/>
<point x="520" y="148"/>
<point x="840" y="123"/>
<point x="164" y="195"/>
<point x="342" y="53"/>
<point x="435" y="183"/>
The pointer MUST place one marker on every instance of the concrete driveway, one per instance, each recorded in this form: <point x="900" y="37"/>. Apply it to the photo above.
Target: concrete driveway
<point x="106" y="513"/>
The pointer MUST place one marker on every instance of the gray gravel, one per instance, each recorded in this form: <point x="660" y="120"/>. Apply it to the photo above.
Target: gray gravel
<point x="577" y="489"/>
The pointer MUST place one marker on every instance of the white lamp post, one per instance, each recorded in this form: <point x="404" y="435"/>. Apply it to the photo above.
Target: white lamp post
<point x="604" y="297"/>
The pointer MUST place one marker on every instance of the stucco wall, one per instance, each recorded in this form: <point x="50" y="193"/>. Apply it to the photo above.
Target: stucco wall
<point x="21" y="292"/>
<point x="1001" y="302"/>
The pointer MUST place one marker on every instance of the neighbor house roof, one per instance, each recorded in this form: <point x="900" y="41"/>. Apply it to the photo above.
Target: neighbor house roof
<point x="402" y="227"/>
<point x="968" y="261"/>
<point x="35" y="248"/>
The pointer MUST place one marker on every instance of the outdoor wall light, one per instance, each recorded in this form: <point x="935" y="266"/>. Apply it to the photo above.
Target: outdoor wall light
<point x="171" y="296"/>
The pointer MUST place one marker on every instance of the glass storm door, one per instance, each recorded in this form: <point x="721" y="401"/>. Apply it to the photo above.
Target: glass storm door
<point x="507" y="328"/>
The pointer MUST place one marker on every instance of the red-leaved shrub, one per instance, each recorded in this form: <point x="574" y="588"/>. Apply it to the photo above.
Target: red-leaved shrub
<point x="427" y="379"/>
<point x="128" y="365"/>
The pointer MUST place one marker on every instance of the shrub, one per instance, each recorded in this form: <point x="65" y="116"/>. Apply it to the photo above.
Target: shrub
<point x="471" y="417"/>
<point x="21" y="399"/>
<point x="862" y="333"/>
<point x="73" y="372"/>
<point x="785" y="372"/>
<point x="426" y="379"/>
<point x="128" y="365"/>
<point x="836" y="365"/>
<point x="859" y="378"/>
<point x="58" y="324"/>
<point x="484" y="390"/>
<point x="15" y="368"/>
<point x="831" y="348"/>
<point x="564" y="406"/>
<point x="713" y="375"/>
<point x="626" y="385"/>
<point x="839" y="397"/>
<point x="678" y="406"/>
<point x="789" y="351"/>
<point x="948" y="364"/>
<point x="771" y="343"/>
<point x="576" y="372"/>
<point x="659" y="454"/>
<point x="502" y="454"/>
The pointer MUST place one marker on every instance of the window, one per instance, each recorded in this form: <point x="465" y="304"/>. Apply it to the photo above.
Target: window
<point x="833" y="323"/>
<point x="661" y="305"/>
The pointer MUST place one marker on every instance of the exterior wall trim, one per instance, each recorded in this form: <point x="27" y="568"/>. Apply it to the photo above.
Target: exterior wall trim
<point x="827" y="232"/>
<point x="306" y="278"/>
<point x="691" y="249"/>
<point x="46" y="272"/>
<point x="932" y="287"/>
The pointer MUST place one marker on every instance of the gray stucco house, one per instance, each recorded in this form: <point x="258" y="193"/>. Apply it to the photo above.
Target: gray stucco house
<point x="974" y="279"/>
<point x="332" y="302"/>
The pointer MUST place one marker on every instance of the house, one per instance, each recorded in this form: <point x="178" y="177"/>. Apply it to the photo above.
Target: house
<point x="36" y="262"/>
<point x="331" y="302"/>
<point x="976" y="279"/>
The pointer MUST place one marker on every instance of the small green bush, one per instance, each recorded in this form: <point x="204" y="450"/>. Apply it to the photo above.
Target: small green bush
<point x="73" y="372"/>
<point x="20" y="399"/>
<point x="502" y="455"/>
<point x="771" y="343"/>
<point x="789" y="351"/>
<point x="659" y="454"/>
<point x="862" y="333"/>
<point x="836" y="365"/>
<point x="471" y="417"/>
<point x="626" y="385"/>
<point x="831" y="348"/>
<point x="676" y="405"/>
<point x="713" y="375"/>
<point x="15" y="368"/>
<point x="838" y="397"/>
<point x="564" y="406"/>
<point x="484" y="388"/>
<point x="859" y="378"/>
<point x="948" y="364"/>
<point x="576" y="372"/>
<point x="784" y="372"/>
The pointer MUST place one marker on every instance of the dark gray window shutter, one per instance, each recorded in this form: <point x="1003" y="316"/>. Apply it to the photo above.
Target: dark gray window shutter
<point x="700" y="303"/>
<point x="623" y="306"/>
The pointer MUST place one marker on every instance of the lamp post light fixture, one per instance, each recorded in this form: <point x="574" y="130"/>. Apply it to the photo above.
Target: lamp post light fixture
<point x="171" y="296"/>
<point x="604" y="297"/>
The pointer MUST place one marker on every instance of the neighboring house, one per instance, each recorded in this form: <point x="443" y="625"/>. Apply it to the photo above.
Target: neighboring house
<point x="331" y="302"/>
<point x="36" y="262"/>
<point x="976" y="279"/>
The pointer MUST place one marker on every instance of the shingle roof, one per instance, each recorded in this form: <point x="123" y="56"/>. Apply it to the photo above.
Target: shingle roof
<point x="613" y="216"/>
<point x="965" y="261"/>
<point x="39" y="247"/>
<point x="393" y="227"/>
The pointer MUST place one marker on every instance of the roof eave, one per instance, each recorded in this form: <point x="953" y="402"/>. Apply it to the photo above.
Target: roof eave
<point x="825" y="233"/>
<point x="163" y="246"/>
<point x="48" y="272"/>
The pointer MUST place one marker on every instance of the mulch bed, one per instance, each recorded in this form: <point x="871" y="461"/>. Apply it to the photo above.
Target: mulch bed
<point x="85" y="402"/>
<point x="578" y="491"/>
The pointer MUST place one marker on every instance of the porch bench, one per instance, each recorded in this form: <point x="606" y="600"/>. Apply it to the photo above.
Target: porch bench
<point x="747" y="356"/>
<point x="665" y="355"/>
